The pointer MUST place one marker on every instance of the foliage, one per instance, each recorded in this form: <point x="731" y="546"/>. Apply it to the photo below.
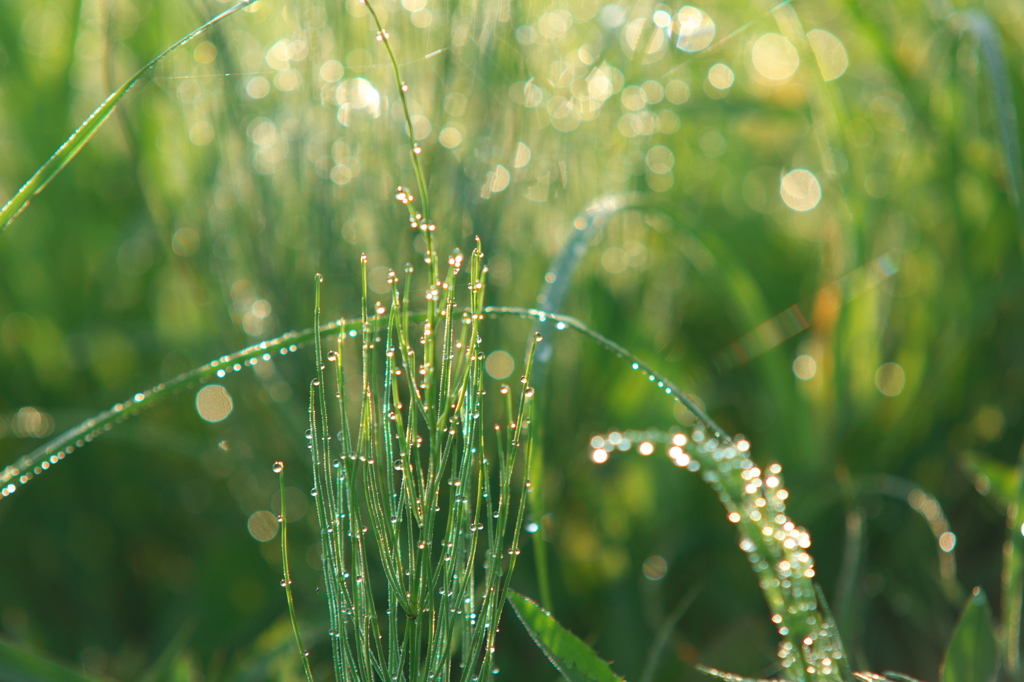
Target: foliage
<point x="812" y="223"/>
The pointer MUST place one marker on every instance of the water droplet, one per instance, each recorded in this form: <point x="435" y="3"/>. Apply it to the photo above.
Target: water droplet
<point x="278" y="467"/>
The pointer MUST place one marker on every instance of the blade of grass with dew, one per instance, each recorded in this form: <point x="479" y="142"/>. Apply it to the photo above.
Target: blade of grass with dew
<point x="26" y="467"/>
<point x="551" y="298"/>
<point x="972" y="655"/>
<point x="755" y="501"/>
<point x="286" y="580"/>
<point x="568" y="653"/>
<point x="729" y="677"/>
<point x="17" y="665"/>
<point x="67" y="151"/>
<point x="928" y="508"/>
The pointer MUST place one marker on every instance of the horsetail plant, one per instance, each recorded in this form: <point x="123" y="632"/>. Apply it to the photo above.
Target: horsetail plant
<point x="421" y="494"/>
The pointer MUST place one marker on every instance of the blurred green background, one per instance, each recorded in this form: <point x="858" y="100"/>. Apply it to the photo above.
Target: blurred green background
<point x="822" y="243"/>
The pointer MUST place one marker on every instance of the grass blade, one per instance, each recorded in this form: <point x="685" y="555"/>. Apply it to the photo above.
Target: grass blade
<point x="1013" y="573"/>
<point x="568" y="653"/>
<point x="17" y="665"/>
<point x="67" y="151"/>
<point x="30" y="465"/>
<point x="972" y="653"/>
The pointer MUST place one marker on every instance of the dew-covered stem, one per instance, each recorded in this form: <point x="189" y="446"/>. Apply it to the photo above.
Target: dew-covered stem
<point x="286" y="581"/>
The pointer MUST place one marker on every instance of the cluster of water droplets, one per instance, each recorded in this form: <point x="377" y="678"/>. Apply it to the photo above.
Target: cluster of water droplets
<point x="34" y="463"/>
<point x="777" y="548"/>
<point x="419" y="454"/>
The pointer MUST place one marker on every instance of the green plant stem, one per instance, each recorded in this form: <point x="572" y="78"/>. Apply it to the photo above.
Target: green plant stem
<point x="287" y="581"/>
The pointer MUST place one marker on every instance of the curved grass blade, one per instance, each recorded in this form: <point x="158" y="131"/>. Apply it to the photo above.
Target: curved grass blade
<point x="568" y="653"/>
<point x="67" y="151"/>
<point x="972" y="654"/>
<point x="565" y="321"/>
<point x="17" y="665"/>
<point x="42" y="458"/>
<point x="780" y="557"/>
<point x="552" y="295"/>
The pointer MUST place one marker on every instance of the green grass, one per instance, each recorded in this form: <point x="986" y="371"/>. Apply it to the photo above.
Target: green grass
<point x="869" y="345"/>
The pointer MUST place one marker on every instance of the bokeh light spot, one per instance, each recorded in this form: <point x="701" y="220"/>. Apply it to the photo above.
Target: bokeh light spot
<point x="890" y="379"/>
<point x="721" y="76"/>
<point x="499" y="364"/>
<point x="257" y="87"/>
<point x="694" y="29"/>
<point x="263" y="526"/>
<point x="830" y="53"/>
<point x="214" y="403"/>
<point x="800" y="190"/>
<point x="804" y="367"/>
<point x="655" y="567"/>
<point x="774" y="57"/>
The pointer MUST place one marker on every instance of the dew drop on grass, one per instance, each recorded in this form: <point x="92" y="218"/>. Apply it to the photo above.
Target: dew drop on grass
<point x="278" y="467"/>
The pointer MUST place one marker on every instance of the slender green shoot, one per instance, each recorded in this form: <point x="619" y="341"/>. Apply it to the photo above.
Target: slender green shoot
<point x="67" y="151"/>
<point x="286" y="580"/>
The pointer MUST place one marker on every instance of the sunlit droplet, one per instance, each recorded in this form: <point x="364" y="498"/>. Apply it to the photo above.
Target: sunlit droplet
<point x="278" y="467"/>
<point x="599" y="456"/>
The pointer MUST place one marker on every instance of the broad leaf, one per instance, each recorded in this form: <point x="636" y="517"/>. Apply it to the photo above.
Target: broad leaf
<point x="972" y="654"/>
<point x="574" y="659"/>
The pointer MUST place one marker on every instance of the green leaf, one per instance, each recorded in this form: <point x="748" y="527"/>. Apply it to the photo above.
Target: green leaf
<point x="568" y="653"/>
<point x="992" y="478"/>
<point x="972" y="653"/>
<point x="67" y="151"/>
<point x="17" y="665"/>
